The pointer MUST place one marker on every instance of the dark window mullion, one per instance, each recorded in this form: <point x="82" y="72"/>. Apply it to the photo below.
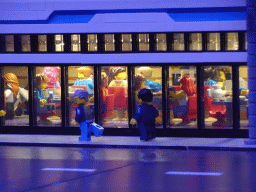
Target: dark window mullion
<point x="169" y="39"/>
<point x="241" y="40"/>
<point x="165" y="85"/>
<point x="186" y="42"/>
<point x="200" y="98"/>
<point x="236" y="105"/>
<point x="97" y="95"/>
<point x="152" y="42"/>
<point x="67" y="43"/>
<point x="204" y="41"/>
<point x="64" y="91"/>
<point x="118" y="43"/>
<point x="17" y="43"/>
<point x="135" y="43"/>
<point x="101" y="42"/>
<point x="223" y="41"/>
<point x="50" y="43"/>
<point x="131" y="94"/>
<point x="32" y="95"/>
<point x="84" y="45"/>
<point x="2" y="43"/>
<point x="1" y="95"/>
<point x="34" y="43"/>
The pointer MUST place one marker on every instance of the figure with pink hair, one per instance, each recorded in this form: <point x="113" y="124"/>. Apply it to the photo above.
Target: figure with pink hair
<point x="53" y="74"/>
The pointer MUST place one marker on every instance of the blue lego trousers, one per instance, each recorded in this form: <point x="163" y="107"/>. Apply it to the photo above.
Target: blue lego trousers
<point x="87" y="128"/>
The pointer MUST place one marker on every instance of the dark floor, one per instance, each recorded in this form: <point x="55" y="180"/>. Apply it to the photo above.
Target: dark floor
<point x="108" y="169"/>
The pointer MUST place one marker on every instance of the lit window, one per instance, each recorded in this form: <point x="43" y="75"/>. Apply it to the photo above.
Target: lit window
<point x="126" y="42"/>
<point x="195" y="42"/>
<point x="25" y="43"/>
<point x="232" y="41"/>
<point x="75" y="43"/>
<point x="92" y="42"/>
<point x="59" y="43"/>
<point x="143" y="42"/>
<point x="42" y="43"/>
<point x="178" y="42"/>
<point x="109" y="42"/>
<point x="161" y="44"/>
<point x="9" y="43"/>
<point x="213" y="41"/>
<point x="245" y="42"/>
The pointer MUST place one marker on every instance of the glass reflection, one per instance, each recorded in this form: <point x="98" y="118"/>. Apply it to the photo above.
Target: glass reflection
<point x="178" y="42"/>
<point x="80" y="78"/>
<point x="243" y="96"/>
<point x="213" y="41"/>
<point x="143" y="40"/>
<point x="182" y="99"/>
<point x="25" y="43"/>
<point x="75" y="43"/>
<point x="114" y="97"/>
<point x="232" y="41"/>
<point x="59" y="43"/>
<point x="47" y="95"/>
<point x="161" y="44"/>
<point x="9" y="43"/>
<point x="195" y="42"/>
<point x="151" y="78"/>
<point x="126" y="42"/>
<point x="16" y="96"/>
<point x="92" y="42"/>
<point x="42" y="43"/>
<point x="109" y="42"/>
<point x="218" y="99"/>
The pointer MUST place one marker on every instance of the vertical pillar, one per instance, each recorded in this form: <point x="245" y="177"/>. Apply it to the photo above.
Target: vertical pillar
<point x="251" y="62"/>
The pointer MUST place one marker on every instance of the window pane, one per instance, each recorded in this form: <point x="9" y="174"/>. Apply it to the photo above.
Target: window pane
<point x="213" y="41"/>
<point x="59" y="43"/>
<point x="245" y="41"/>
<point x="42" y="43"/>
<point x="47" y="94"/>
<point x="114" y="97"/>
<point x="109" y="42"/>
<point x="25" y="43"/>
<point x="178" y="42"/>
<point x="149" y="77"/>
<point x="195" y="40"/>
<point x="92" y="42"/>
<point x="232" y="41"/>
<point x="243" y="97"/>
<point x="182" y="99"/>
<point x="9" y="43"/>
<point x="143" y="40"/>
<point x="126" y="42"/>
<point x="80" y="78"/>
<point x="218" y="97"/>
<point x="161" y="44"/>
<point x="16" y="96"/>
<point x="75" y="43"/>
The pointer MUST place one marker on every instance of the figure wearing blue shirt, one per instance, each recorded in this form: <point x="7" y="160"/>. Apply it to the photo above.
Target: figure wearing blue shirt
<point x="146" y="115"/>
<point x="85" y="117"/>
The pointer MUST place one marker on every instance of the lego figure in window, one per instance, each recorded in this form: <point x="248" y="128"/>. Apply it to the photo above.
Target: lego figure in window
<point x="209" y="74"/>
<point x="2" y="113"/>
<point x="85" y="79"/>
<point x="85" y="117"/>
<point x="53" y="74"/>
<point x="119" y="77"/>
<point x="44" y="108"/>
<point x="146" y="116"/>
<point x="188" y="89"/>
<point x="146" y="72"/>
<point x="14" y="95"/>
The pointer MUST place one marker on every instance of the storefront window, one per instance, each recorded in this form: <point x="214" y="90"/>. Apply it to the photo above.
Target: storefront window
<point x="25" y="43"/>
<point x="151" y="78"/>
<point x="47" y="94"/>
<point x="75" y="43"/>
<point x="42" y="43"/>
<point x="232" y="41"/>
<point x="213" y="41"/>
<point x="178" y="42"/>
<point x="126" y="42"/>
<point x="92" y="42"/>
<point x="16" y="96"/>
<point x="59" y="43"/>
<point x="161" y="44"/>
<point x="109" y="42"/>
<point x="114" y="97"/>
<point x="80" y="78"/>
<point x="195" y="40"/>
<point x="182" y="97"/>
<point x="243" y="96"/>
<point x="143" y="40"/>
<point x="218" y="100"/>
<point x="9" y="43"/>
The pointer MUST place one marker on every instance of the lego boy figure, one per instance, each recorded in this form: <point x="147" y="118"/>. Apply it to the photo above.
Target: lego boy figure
<point x="146" y="116"/>
<point x="85" y="117"/>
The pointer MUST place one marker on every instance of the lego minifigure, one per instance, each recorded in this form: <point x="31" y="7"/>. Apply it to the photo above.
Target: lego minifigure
<point x="53" y="74"/>
<point x="14" y="95"/>
<point x="188" y="89"/>
<point x="2" y="113"/>
<point x="146" y="72"/>
<point x="85" y="117"/>
<point x="208" y="76"/>
<point x="84" y="79"/>
<point x="120" y="77"/>
<point x="41" y="80"/>
<point x="146" y="116"/>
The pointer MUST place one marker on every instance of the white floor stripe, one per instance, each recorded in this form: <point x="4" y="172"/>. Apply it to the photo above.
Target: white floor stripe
<point x="194" y="173"/>
<point x="68" y="169"/>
